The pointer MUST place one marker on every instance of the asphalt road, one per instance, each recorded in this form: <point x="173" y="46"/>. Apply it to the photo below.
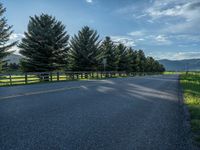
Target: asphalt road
<point x="116" y="114"/>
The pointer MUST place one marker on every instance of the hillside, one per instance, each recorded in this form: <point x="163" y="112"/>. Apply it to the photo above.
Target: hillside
<point x="181" y="65"/>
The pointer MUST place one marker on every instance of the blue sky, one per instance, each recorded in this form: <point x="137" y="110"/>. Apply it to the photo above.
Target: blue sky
<point x="162" y="28"/>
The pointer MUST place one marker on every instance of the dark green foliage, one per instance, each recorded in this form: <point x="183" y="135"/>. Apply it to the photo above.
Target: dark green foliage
<point x="132" y="55"/>
<point x="109" y="52"/>
<point x="153" y="65"/>
<point x="10" y="67"/>
<point x="85" y="50"/>
<point x="45" y="45"/>
<point x="123" y="59"/>
<point x="87" y="55"/>
<point x="45" y="48"/>
<point x="140" y="61"/>
<point x="5" y="33"/>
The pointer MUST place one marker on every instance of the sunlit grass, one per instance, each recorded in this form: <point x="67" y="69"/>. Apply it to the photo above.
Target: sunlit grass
<point x="191" y="85"/>
<point x="5" y="80"/>
<point x="172" y="72"/>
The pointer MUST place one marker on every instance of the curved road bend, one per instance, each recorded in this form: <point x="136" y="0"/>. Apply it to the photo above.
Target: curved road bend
<point x="140" y="113"/>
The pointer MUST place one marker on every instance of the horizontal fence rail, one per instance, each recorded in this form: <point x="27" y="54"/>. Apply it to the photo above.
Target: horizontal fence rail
<point x="36" y="77"/>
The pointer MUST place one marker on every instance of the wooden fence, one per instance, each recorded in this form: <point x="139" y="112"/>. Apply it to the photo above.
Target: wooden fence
<point x="29" y="78"/>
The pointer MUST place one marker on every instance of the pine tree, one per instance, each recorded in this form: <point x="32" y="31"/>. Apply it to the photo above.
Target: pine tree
<point x="5" y="33"/>
<point x="150" y="65"/>
<point x="85" y="50"/>
<point x="123" y="59"/>
<point x="140" y="61"/>
<point x="108" y="52"/>
<point x="132" y="55"/>
<point x="45" y="46"/>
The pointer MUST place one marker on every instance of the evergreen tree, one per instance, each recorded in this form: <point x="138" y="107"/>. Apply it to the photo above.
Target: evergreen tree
<point x="45" y="46"/>
<point x="108" y="52"/>
<point x="123" y="59"/>
<point x="85" y="50"/>
<point x="5" y="33"/>
<point x="161" y="68"/>
<point x="132" y="55"/>
<point x="140" y="61"/>
<point x="150" y="64"/>
<point x="153" y="65"/>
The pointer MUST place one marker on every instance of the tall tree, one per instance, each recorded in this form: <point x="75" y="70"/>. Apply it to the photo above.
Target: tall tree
<point x="123" y="58"/>
<point x="150" y="64"/>
<point x="140" y="61"/>
<point x="85" y="50"/>
<point x="45" y="46"/>
<point x="108" y="52"/>
<point x="132" y="56"/>
<point x="5" y="33"/>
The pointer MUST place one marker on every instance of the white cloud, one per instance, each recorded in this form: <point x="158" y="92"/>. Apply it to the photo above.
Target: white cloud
<point x="187" y="13"/>
<point x="16" y="36"/>
<point x="186" y="55"/>
<point x="175" y="56"/>
<point x="162" y="40"/>
<point x="169" y="24"/>
<point x="183" y="15"/>
<point x="141" y="39"/>
<point x="89" y="1"/>
<point x="153" y="40"/>
<point x="128" y="41"/>
<point x="15" y="49"/>
<point x="136" y="33"/>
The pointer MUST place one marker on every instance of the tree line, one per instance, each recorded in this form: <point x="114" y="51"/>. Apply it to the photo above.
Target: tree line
<point x="47" y="46"/>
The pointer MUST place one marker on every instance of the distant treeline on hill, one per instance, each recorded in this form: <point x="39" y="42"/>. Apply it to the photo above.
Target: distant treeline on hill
<point x="181" y="65"/>
<point x="47" y="46"/>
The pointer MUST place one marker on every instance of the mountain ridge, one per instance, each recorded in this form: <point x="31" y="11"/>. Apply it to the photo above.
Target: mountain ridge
<point x="181" y="65"/>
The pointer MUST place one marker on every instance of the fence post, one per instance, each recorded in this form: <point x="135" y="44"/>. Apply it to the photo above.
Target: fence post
<point x="66" y="75"/>
<point x="57" y="76"/>
<point x="106" y="74"/>
<point x="77" y="76"/>
<point x="81" y="75"/>
<point x="10" y="77"/>
<point x="26" y="78"/>
<point x="51" y="78"/>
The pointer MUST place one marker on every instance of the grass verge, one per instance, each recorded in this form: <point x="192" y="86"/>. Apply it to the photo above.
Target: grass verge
<point x="33" y="79"/>
<point x="191" y="85"/>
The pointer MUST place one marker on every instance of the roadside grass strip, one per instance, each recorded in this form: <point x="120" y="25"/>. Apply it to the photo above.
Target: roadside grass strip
<point x="191" y="85"/>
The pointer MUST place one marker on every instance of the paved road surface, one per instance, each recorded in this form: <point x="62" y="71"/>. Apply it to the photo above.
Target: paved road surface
<point x="116" y="114"/>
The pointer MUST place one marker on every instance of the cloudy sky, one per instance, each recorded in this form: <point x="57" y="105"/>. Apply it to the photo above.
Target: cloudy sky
<point x="162" y="28"/>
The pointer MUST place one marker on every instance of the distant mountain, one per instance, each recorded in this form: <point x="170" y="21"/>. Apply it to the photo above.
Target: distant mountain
<point x="181" y="65"/>
<point x="13" y="58"/>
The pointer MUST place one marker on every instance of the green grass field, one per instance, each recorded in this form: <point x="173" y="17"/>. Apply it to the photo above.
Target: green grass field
<point x="191" y="86"/>
<point x="32" y="79"/>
